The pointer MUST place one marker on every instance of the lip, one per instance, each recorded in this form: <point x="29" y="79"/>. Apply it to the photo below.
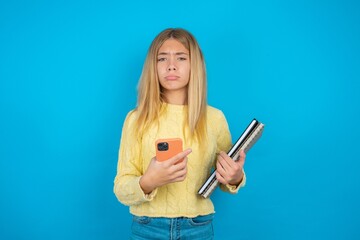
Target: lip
<point x="171" y="77"/>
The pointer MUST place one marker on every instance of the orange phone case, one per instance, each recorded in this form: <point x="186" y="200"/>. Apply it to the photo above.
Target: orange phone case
<point x="167" y="148"/>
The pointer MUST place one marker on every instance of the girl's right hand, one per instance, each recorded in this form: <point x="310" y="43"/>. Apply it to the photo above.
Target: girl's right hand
<point x="162" y="173"/>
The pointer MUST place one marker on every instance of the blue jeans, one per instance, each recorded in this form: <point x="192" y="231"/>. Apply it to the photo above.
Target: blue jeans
<point x="144" y="228"/>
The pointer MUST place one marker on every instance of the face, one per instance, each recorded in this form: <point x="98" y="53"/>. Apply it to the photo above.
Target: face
<point x="173" y="67"/>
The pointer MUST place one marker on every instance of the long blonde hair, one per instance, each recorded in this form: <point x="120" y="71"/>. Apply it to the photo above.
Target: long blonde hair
<point x="150" y="99"/>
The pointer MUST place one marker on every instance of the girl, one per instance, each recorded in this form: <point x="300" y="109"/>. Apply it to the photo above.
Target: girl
<point x="172" y="103"/>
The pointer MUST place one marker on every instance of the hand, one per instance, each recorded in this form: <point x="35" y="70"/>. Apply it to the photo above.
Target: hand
<point x="229" y="171"/>
<point x="161" y="173"/>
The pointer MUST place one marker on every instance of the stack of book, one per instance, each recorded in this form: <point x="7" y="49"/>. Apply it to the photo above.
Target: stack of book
<point x="247" y="139"/>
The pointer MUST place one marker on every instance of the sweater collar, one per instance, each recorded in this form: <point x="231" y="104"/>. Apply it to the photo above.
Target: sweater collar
<point x="173" y="107"/>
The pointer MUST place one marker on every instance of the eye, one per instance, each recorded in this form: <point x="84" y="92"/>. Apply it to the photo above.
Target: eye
<point x="182" y="58"/>
<point x="161" y="59"/>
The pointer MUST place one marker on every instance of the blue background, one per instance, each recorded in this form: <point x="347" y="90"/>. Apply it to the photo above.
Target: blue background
<point x="68" y="76"/>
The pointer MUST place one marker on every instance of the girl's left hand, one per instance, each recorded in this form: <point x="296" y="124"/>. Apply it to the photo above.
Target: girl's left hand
<point x="229" y="171"/>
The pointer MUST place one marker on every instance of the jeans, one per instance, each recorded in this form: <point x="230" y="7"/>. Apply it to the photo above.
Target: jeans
<point x="180" y="228"/>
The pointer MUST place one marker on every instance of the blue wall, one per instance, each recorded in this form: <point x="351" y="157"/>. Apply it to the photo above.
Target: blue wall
<point x="68" y="76"/>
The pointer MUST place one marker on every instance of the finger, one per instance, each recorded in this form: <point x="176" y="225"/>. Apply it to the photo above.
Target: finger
<point x="242" y="157"/>
<point x="179" y="156"/>
<point x="220" y="169"/>
<point x="225" y="161"/>
<point x="219" y="162"/>
<point x="228" y="168"/>
<point x="220" y="178"/>
<point x="178" y="166"/>
<point x="179" y="174"/>
<point x="174" y="169"/>
<point x="179" y="179"/>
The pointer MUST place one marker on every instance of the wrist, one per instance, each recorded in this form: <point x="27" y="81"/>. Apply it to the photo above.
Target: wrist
<point x="236" y="183"/>
<point x="146" y="185"/>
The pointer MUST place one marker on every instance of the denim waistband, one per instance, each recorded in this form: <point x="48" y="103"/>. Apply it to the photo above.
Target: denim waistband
<point x="199" y="227"/>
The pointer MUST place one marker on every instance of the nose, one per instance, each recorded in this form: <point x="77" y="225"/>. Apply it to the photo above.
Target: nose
<point x="171" y="66"/>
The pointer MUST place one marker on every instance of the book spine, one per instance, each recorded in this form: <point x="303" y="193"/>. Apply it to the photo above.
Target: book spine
<point x="210" y="188"/>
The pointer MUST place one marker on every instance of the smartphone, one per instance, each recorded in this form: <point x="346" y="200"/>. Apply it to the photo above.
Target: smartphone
<point x="167" y="148"/>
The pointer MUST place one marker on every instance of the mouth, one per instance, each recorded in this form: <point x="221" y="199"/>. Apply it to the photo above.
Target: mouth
<point x="171" y="77"/>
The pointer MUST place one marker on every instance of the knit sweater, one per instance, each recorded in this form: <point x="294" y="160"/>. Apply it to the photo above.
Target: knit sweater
<point x="178" y="199"/>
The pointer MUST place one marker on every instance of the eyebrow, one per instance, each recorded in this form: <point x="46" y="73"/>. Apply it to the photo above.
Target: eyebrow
<point x="177" y="53"/>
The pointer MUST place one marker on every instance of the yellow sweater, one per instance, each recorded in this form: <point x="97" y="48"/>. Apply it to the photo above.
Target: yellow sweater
<point x="178" y="199"/>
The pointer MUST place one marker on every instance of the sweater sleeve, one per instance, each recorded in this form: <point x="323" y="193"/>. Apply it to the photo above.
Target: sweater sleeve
<point x="223" y="140"/>
<point x="129" y="168"/>
<point x="224" y="144"/>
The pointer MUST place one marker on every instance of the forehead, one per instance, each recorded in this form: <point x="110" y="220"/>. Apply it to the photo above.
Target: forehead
<point x="172" y="46"/>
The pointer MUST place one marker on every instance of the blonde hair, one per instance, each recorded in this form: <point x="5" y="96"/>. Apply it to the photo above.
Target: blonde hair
<point x="150" y="98"/>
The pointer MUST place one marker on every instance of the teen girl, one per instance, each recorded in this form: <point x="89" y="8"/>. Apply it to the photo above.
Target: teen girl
<point x="172" y="103"/>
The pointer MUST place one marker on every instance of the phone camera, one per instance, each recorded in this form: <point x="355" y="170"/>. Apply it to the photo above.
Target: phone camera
<point x="163" y="146"/>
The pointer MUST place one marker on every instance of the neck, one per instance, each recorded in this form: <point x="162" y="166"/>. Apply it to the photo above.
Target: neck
<point x="175" y="97"/>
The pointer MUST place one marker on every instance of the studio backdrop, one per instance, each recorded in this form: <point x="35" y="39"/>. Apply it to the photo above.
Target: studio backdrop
<point x="68" y="76"/>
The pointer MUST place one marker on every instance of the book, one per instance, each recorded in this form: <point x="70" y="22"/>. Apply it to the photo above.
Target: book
<point x="247" y="139"/>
